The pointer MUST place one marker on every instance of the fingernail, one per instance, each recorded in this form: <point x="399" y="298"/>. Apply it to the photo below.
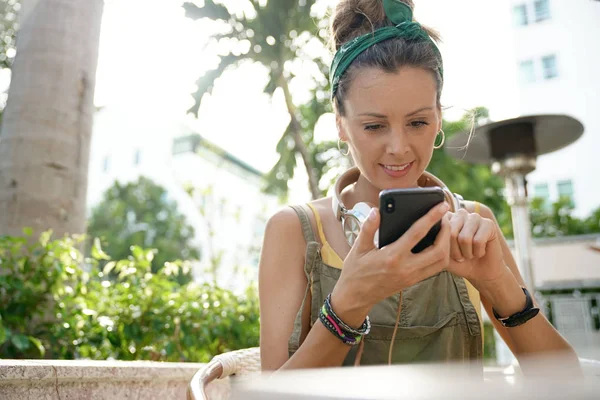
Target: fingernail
<point x="460" y="260"/>
<point x="373" y="214"/>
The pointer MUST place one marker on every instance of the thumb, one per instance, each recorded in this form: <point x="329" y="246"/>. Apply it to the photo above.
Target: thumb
<point x="365" y="240"/>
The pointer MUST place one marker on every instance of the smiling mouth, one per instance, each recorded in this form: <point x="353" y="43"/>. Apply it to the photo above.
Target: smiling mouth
<point x="396" y="168"/>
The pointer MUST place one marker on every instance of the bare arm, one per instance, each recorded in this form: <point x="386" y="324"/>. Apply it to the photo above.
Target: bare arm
<point x="537" y="336"/>
<point x="282" y="285"/>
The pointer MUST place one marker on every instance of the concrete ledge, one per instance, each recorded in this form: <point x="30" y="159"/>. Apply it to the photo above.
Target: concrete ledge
<point x="113" y="380"/>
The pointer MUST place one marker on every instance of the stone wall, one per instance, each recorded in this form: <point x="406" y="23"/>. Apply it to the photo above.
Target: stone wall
<point x="62" y="380"/>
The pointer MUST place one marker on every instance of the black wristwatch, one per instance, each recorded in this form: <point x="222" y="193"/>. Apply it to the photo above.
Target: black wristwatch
<point x="521" y="317"/>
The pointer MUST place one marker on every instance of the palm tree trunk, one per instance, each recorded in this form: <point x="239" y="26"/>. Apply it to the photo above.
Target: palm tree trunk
<point x="296" y="131"/>
<point x="47" y="124"/>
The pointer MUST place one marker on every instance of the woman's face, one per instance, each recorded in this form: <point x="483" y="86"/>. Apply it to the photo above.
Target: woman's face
<point x="391" y="123"/>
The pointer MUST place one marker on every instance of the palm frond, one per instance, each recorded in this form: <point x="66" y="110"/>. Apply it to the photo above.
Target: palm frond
<point x="206" y="82"/>
<point x="211" y="10"/>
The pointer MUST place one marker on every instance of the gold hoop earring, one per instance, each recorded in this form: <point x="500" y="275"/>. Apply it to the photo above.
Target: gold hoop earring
<point x="340" y="148"/>
<point x="439" y="146"/>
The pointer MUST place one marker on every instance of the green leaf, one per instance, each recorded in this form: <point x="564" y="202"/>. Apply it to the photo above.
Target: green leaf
<point x="45" y="238"/>
<point x="97" y="251"/>
<point x="210" y="10"/>
<point x="137" y="252"/>
<point x="28" y="231"/>
<point x="109" y="267"/>
<point x="21" y="342"/>
<point x="37" y="343"/>
<point x="3" y="335"/>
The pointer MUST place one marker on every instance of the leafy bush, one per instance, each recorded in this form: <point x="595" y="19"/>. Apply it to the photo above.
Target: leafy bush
<point x="58" y="304"/>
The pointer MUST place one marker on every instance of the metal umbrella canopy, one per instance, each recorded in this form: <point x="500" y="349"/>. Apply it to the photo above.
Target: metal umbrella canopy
<point x="511" y="147"/>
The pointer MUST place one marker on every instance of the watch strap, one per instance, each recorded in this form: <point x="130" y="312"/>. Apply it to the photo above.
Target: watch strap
<point x="520" y="317"/>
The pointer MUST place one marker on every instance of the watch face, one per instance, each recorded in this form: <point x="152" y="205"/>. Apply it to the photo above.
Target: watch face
<point x="351" y="228"/>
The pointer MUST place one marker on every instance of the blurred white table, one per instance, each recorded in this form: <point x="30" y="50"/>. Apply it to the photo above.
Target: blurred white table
<point x="417" y="382"/>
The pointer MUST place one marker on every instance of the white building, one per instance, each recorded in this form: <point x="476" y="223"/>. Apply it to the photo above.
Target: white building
<point x="228" y="211"/>
<point x="557" y="51"/>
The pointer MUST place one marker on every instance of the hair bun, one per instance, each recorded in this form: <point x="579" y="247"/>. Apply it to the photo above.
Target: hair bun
<point x="353" y="18"/>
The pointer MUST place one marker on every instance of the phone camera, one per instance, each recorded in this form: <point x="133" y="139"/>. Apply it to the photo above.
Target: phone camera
<point x="390" y="205"/>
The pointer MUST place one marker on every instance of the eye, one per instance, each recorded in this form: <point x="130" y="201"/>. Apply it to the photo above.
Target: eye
<point x="418" y="124"/>
<point x="373" y="127"/>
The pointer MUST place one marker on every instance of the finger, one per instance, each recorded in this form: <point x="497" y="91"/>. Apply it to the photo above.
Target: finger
<point x="466" y="235"/>
<point x="439" y="251"/>
<point x="485" y="232"/>
<point x="456" y="224"/>
<point x="419" y="229"/>
<point x="365" y="240"/>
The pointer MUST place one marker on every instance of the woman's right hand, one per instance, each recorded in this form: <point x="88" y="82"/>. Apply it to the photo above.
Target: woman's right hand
<point x="371" y="274"/>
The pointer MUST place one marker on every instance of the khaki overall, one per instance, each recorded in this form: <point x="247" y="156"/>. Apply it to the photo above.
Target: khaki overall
<point x="438" y="321"/>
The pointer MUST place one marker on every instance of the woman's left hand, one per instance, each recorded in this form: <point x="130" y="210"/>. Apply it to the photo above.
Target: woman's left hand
<point x="475" y="251"/>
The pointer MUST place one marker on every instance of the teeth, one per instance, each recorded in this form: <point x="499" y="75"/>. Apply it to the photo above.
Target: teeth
<point x="396" y="168"/>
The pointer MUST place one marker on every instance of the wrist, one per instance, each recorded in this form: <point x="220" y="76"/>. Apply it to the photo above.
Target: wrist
<point x="349" y="308"/>
<point x="504" y="294"/>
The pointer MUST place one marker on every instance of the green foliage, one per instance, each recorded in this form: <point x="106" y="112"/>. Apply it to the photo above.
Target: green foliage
<point x="557" y="220"/>
<point x="324" y="156"/>
<point x="9" y="12"/>
<point x="56" y="304"/>
<point x="140" y="214"/>
<point x="489" y="342"/>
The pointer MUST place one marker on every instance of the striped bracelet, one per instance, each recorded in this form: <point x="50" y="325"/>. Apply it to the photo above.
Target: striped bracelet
<point x="339" y="328"/>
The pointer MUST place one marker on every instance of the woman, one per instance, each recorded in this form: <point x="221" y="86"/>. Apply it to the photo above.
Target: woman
<point x="325" y="302"/>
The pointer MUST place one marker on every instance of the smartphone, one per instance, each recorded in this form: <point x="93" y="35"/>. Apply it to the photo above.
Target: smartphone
<point x="400" y="208"/>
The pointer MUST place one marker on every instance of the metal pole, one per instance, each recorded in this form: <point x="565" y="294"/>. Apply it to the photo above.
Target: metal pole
<point x="517" y="199"/>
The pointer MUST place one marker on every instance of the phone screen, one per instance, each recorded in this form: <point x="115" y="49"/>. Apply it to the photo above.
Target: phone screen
<point x="400" y="208"/>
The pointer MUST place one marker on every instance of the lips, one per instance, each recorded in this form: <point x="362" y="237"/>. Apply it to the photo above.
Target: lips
<point x="397" y="170"/>
<point x="397" y="167"/>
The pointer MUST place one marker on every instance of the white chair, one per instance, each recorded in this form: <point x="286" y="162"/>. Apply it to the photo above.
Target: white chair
<point x="214" y="378"/>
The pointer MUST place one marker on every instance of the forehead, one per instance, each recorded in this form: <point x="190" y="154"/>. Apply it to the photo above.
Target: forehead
<point x="404" y="90"/>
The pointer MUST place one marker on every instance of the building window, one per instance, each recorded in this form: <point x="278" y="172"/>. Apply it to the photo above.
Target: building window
<point x="542" y="10"/>
<point x="520" y="15"/>
<point x="565" y="191"/>
<point x="106" y="164"/>
<point x="138" y="156"/>
<point x="542" y="191"/>
<point x="527" y="71"/>
<point x="550" y="67"/>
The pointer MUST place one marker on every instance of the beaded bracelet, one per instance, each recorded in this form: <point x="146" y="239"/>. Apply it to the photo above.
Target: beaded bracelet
<point x="339" y="328"/>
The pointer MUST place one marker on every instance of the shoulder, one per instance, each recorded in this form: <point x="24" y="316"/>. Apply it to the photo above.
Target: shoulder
<point x="283" y="244"/>
<point x="284" y="221"/>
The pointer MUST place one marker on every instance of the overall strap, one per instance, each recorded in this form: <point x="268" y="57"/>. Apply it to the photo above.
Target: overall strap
<point x="311" y="257"/>
<point x="307" y="230"/>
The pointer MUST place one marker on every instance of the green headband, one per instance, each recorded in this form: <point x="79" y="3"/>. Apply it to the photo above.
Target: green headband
<point x="401" y="15"/>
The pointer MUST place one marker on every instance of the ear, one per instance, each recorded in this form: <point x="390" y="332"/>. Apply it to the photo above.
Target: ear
<point x="340" y="128"/>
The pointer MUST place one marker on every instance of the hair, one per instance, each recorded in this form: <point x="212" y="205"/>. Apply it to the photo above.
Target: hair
<point x="353" y="18"/>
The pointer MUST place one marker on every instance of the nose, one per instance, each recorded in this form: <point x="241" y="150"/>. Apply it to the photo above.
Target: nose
<point x="398" y="143"/>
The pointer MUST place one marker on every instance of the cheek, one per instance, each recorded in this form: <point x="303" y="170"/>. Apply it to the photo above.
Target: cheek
<point x="360" y="141"/>
<point x="423" y="146"/>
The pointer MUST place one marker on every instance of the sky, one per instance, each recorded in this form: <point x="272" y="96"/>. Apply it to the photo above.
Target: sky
<point x="151" y="55"/>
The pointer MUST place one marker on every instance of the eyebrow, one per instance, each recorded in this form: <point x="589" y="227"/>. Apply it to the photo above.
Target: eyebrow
<point x="419" y="110"/>
<point x="383" y="116"/>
